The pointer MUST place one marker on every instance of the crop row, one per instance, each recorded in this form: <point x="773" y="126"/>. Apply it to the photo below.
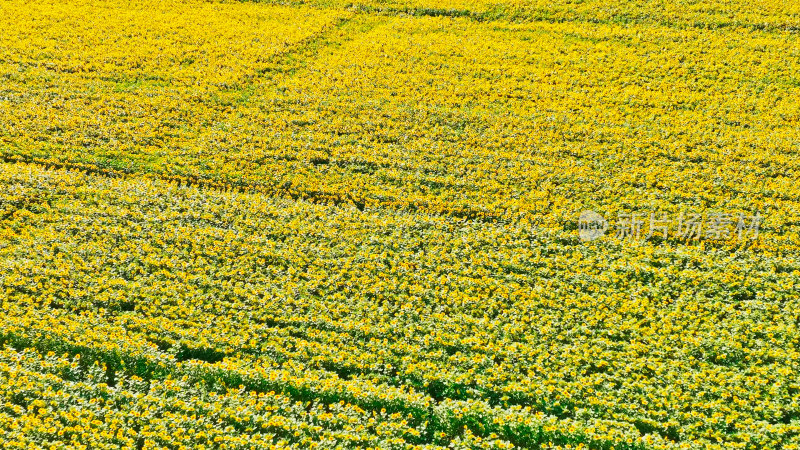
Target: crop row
<point x="480" y="120"/>
<point x="232" y="214"/>
<point x="449" y="310"/>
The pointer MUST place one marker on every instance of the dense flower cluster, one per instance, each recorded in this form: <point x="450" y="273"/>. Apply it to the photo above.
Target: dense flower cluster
<point x="488" y="121"/>
<point x="242" y="225"/>
<point x="444" y="322"/>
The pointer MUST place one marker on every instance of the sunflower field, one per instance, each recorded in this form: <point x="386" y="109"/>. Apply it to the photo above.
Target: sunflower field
<point x="358" y="224"/>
